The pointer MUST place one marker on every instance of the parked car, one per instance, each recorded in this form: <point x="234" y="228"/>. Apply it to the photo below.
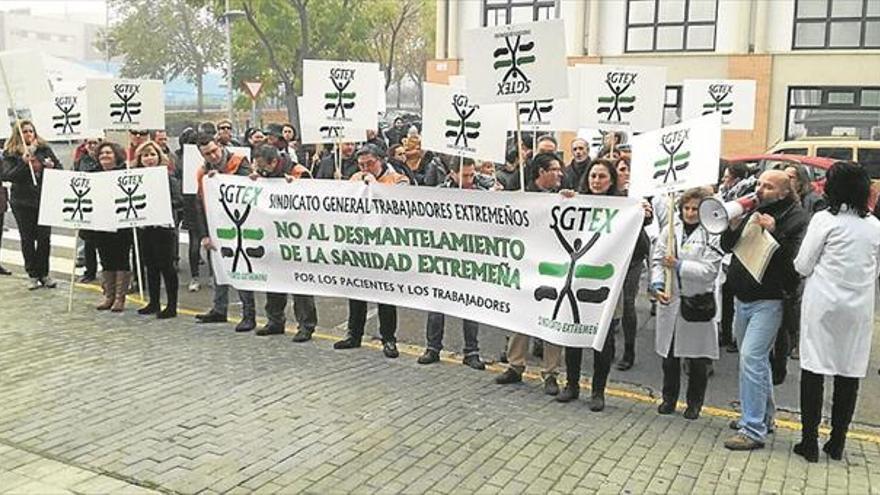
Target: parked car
<point x="864" y="152"/>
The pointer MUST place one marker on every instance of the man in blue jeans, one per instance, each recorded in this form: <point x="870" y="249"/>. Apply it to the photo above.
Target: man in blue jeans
<point x="758" y="304"/>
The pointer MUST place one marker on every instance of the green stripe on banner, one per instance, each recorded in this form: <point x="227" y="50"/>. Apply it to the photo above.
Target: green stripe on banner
<point x="226" y="233"/>
<point x="526" y="60"/>
<point x="553" y="269"/>
<point x="683" y="156"/>
<point x="603" y="272"/>
<point x="502" y="63"/>
<point x="252" y="234"/>
<point x="331" y="96"/>
<point x="139" y="198"/>
<point x="606" y="99"/>
<point x="627" y="99"/>
<point x="661" y="163"/>
<point x="68" y="201"/>
<point x="121" y="201"/>
<point x="453" y="122"/>
<point x="726" y="104"/>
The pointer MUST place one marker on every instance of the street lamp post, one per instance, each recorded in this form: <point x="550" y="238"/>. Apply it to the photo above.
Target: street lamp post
<point x="228" y="17"/>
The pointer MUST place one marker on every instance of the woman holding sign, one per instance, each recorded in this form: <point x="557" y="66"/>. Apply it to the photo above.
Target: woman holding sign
<point x="23" y="165"/>
<point x="159" y="243"/>
<point x="113" y="247"/>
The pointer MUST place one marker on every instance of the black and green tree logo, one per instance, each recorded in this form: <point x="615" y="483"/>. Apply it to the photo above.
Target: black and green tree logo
<point x="78" y="205"/>
<point x="338" y="100"/>
<point x="131" y="203"/>
<point x="511" y="58"/>
<point x="240" y="234"/>
<point x="330" y="131"/>
<point x="676" y="157"/>
<point x="126" y="108"/>
<point x="66" y="122"/>
<point x="534" y="111"/>
<point x="618" y="103"/>
<point x="718" y="93"/>
<point x="570" y="271"/>
<point x="464" y="127"/>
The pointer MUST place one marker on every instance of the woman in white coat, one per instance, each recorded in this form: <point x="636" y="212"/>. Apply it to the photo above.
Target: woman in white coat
<point x="695" y="262"/>
<point x="840" y="257"/>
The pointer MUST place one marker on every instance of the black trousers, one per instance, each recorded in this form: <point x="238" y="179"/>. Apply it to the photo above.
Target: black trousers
<point x="195" y="255"/>
<point x="91" y="255"/>
<point x="158" y="247"/>
<point x="357" y="319"/>
<point x="601" y="364"/>
<point x="35" y="241"/>
<point x="843" y="405"/>
<point x="698" y="377"/>
<point x="113" y="248"/>
<point x="726" y="313"/>
<point x="630" y="318"/>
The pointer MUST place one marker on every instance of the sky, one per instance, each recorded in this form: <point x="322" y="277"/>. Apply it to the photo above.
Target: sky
<point x="81" y="10"/>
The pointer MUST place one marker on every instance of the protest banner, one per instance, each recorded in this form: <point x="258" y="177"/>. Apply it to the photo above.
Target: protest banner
<point x="552" y="114"/>
<point x="549" y="266"/>
<point x="123" y="104"/>
<point x="516" y="62"/>
<point x="621" y="97"/>
<point x="454" y="125"/>
<point x="734" y="99"/>
<point x="26" y="94"/>
<point x="141" y="196"/>
<point x="193" y="161"/>
<point x="76" y="200"/>
<point x="677" y="157"/>
<point x="340" y="93"/>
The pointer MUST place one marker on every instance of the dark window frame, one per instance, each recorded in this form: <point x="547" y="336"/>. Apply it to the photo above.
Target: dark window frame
<point x="823" y="103"/>
<point x="827" y="21"/>
<point x="508" y="6"/>
<point x="684" y="24"/>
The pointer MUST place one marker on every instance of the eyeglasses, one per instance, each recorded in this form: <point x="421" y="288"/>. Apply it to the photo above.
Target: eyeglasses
<point x="225" y="127"/>
<point x="140" y="133"/>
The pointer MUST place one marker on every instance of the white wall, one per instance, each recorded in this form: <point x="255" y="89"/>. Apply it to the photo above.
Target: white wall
<point x="732" y="26"/>
<point x="612" y="27"/>
<point x="780" y="25"/>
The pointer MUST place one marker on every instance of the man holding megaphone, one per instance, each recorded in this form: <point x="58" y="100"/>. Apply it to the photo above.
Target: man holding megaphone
<point x="758" y="295"/>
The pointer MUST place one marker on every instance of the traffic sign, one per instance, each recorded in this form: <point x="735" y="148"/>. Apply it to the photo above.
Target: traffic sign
<point x="253" y="88"/>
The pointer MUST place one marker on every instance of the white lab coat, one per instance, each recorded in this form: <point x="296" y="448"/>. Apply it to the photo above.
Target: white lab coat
<point x="840" y="256"/>
<point x="700" y="256"/>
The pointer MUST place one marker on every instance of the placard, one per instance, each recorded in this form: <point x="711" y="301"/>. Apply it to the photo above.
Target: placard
<point x="734" y="99"/>
<point x="622" y="97"/>
<point x="340" y="93"/>
<point x="123" y="104"/>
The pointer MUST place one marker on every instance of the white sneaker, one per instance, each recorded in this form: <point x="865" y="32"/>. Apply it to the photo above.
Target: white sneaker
<point x="48" y="282"/>
<point x="34" y="284"/>
<point x="194" y="285"/>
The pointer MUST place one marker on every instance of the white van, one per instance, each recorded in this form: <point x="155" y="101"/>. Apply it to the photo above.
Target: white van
<point x="865" y="152"/>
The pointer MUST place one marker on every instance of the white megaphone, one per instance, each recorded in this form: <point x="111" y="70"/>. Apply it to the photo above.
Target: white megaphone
<point x="715" y="215"/>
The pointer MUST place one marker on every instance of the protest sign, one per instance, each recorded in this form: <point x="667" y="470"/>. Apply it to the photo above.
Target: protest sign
<point x="122" y="104"/>
<point x="193" y="161"/>
<point x="69" y="122"/>
<point x="550" y="267"/>
<point x="516" y="62"/>
<point x="597" y="139"/>
<point x="75" y="200"/>
<point x="339" y="93"/>
<point x="25" y="85"/>
<point x="677" y="157"/>
<point x="734" y="99"/>
<point x="312" y="133"/>
<point x="553" y="114"/>
<point x="454" y="125"/>
<point x="141" y="196"/>
<point x="621" y="97"/>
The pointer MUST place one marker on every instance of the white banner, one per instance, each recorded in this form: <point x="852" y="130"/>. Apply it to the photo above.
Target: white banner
<point x="677" y="157"/>
<point x="516" y="62"/>
<point x="619" y="97"/>
<point x="193" y="161"/>
<point x="554" y="114"/>
<point x="734" y="99"/>
<point x="76" y="200"/>
<point x="121" y="104"/>
<point x="29" y="89"/>
<point x="550" y="267"/>
<point x="454" y="125"/>
<point x="338" y="93"/>
<point x="141" y="196"/>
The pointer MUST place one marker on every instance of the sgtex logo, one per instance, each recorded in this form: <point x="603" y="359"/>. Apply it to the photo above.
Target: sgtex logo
<point x="66" y="122"/>
<point x="78" y="205"/>
<point x="237" y="202"/>
<point x="673" y="143"/>
<point x="331" y="131"/>
<point x="126" y="108"/>
<point x="618" y="104"/>
<point x="339" y="101"/>
<point x="535" y="112"/>
<point x="718" y="93"/>
<point x="464" y="127"/>
<point x="577" y="220"/>
<point x="128" y="206"/>
<point x="512" y="57"/>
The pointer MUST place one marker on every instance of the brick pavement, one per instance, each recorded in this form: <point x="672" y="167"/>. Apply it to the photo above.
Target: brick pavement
<point x="173" y="407"/>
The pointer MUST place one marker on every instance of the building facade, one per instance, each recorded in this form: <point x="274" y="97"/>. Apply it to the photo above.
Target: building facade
<point x="816" y="62"/>
<point x="64" y="38"/>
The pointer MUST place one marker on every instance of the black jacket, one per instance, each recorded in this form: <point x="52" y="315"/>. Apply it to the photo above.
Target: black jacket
<point x="24" y="193"/>
<point x="327" y="167"/>
<point x="571" y="176"/>
<point x="780" y="278"/>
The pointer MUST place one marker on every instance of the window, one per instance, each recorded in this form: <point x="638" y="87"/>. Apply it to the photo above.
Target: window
<point x="500" y="12"/>
<point x="670" y="25"/>
<point x="835" y="153"/>
<point x="836" y="24"/>
<point x="869" y="158"/>
<point x="672" y="106"/>
<point x="833" y="111"/>
<point x="791" y="151"/>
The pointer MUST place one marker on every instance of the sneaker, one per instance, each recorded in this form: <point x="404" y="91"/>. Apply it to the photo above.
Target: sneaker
<point x="742" y="442"/>
<point x="270" y="330"/>
<point x="303" y="335"/>
<point x="348" y="342"/>
<point x="510" y="375"/>
<point x="474" y="362"/>
<point x="34" y="284"/>
<point x="48" y="282"/>
<point x="550" y="385"/>
<point x="389" y="348"/>
<point x="428" y="357"/>
<point x="194" y="285"/>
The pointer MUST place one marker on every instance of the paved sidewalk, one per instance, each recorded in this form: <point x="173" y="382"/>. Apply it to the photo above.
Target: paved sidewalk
<point x="175" y="407"/>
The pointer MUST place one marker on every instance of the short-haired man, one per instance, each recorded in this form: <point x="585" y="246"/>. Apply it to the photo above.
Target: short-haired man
<point x="580" y="152"/>
<point x="224" y="133"/>
<point x="373" y="168"/>
<point x="758" y="304"/>
<point x="327" y="165"/>
<point x="218" y="160"/>
<point x="546" y="144"/>
<point x="462" y="175"/>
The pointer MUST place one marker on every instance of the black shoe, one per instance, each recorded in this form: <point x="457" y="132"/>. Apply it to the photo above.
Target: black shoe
<point x="625" y="363"/>
<point x="597" y="402"/>
<point x="510" y="375"/>
<point x="692" y="412"/>
<point x="211" y="317"/>
<point x="429" y="357"/>
<point x="666" y="407"/>
<point x="538" y="348"/>
<point x="303" y="335"/>
<point x="270" y="330"/>
<point x="167" y="313"/>
<point x="86" y="278"/>
<point x="732" y="348"/>
<point x="569" y="393"/>
<point x="724" y="340"/>
<point x="653" y="308"/>
<point x="348" y="342"/>
<point x="502" y="358"/>
<point x="833" y="449"/>
<point x="246" y="324"/>
<point x="474" y="362"/>
<point x="550" y="385"/>
<point x="4" y="271"/>
<point x="149" y="309"/>
<point x="808" y="450"/>
<point x="389" y="348"/>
